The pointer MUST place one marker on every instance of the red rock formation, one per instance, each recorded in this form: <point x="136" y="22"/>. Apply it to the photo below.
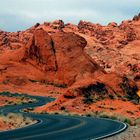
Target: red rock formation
<point x="40" y="49"/>
<point x="113" y="46"/>
<point x="73" y="56"/>
<point x="60" y="56"/>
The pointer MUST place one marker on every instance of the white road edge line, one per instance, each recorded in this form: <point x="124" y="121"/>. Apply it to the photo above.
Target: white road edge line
<point x="114" y="133"/>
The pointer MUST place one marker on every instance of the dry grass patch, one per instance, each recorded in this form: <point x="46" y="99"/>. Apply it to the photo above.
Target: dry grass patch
<point x="13" y="121"/>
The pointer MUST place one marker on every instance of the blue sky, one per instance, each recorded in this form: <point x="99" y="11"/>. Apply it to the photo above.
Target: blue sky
<point x="21" y="14"/>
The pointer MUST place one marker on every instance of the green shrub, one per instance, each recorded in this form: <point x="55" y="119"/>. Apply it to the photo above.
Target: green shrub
<point x="126" y="120"/>
<point x="111" y="96"/>
<point x="56" y="113"/>
<point x="88" y="100"/>
<point x="62" y="108"/>
<point x="128" y="89"/>
<point x="88" y="115"/>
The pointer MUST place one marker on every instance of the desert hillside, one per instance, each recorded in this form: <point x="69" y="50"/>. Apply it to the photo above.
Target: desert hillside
<point x="81" y="64"/>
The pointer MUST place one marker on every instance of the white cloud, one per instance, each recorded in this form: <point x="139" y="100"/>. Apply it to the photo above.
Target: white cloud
<point x="23" y="13"/>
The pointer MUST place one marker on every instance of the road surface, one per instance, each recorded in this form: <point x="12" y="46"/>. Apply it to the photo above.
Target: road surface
<point x="59" y="127"/>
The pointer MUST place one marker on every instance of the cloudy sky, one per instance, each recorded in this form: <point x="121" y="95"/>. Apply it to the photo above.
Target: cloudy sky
<point x="21" y="14"/>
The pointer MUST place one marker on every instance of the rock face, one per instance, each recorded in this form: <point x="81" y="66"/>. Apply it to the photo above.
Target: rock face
<point x="41" y="50"/>
<point x="60" y="56"/>
<point x="114" y="47"/>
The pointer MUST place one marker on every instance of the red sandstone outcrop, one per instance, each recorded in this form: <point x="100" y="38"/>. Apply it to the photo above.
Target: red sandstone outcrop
<point x="60" y="56"/>
<point x="81" y="58"/>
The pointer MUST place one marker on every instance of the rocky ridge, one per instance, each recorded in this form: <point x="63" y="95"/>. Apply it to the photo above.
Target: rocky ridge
<point x="87" y="59"/>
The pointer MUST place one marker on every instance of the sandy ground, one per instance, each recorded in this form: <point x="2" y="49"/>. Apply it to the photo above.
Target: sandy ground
<point x="35" y="89"/>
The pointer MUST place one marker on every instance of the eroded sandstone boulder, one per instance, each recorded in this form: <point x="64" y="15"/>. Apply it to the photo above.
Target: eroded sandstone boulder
<point x="61" y="56"/>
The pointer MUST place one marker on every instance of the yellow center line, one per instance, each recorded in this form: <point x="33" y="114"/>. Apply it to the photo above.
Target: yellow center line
<point x="82" y="123"/>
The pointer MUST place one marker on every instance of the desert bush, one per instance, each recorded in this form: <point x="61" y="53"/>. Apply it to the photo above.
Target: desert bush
<point x="33" y="81"/>
<point x="55" y="84"/>
<point x="62" y="108"/>
<point x="126" y="120"/>
<point x="94" y="92"/>
<point x="112" y="108"/>
<point x="104" y="116"/>
<point x="88" y="99"/>
<point x="111" y="96"/>
<point x="88" y="115"/>
<point x="128" y="89"/>
<point x="130" y="112"/>
<point x="56" y="113"/>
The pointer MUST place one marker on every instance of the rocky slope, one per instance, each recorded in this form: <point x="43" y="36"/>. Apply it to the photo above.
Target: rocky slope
<point x="87" y="60"/>
<point x="114" y="47"/>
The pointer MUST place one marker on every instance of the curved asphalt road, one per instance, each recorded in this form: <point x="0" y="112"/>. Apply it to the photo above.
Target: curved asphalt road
<point x="58" y="127"/>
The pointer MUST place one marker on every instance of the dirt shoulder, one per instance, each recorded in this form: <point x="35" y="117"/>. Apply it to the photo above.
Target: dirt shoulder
<point x="13" y="121"/>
